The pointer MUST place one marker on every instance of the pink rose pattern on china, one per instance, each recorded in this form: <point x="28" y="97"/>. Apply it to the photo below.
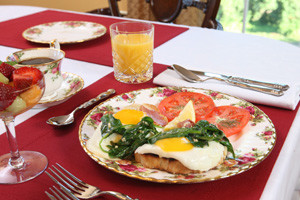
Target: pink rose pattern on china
<point x="97" y="117"/>
<point x="73" y="24"/>
<point x="266" y="135"/>
<point x="53" y="69"/>
<point x="246" y="158"/>
<point x="216" y="95"/>
<point x="67" y="24"/>
<point x="33" y="31"/>
<point x="132" y="168"/>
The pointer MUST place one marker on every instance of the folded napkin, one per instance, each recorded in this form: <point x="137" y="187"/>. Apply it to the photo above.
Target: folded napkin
<point x="289" y="100"/>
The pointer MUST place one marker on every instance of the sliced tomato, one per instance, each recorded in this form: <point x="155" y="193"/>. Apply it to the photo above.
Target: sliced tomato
<point x="172" y="105"/>
<point x="230" y="119"/>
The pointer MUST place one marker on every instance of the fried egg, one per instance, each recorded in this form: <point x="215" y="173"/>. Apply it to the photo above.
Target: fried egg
<point x="182" y="150"/>
<point x="129" y="116"/>
<point x="126" y="116"/>
<point x="93" y="143"/>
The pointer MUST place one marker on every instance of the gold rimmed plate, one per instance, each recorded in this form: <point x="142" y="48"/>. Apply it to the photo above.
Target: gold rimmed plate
<point x="251" y="146"/>
<point x="71" y="85"/>
<point x="65" y="32"/>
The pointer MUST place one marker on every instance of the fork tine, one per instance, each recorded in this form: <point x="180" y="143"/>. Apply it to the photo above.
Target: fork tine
<point x="55" y="194"/>
<point x="50" y="196"/>
<point x="69" y="192"/>
<point x="60" y="178"/>
<point x="62" y="194"/>
<point x="74" y="177"/>
<point x="67" y="178"/>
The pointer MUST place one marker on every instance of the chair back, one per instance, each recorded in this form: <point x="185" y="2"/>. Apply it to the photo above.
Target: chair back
<point x="166" y="10"/>
<point x="114" y="8"/>
<point x="210" y="8"/>
<point x="169" y="10"/>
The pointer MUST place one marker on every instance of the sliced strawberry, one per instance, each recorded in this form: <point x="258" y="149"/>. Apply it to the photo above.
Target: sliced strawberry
<point x="7" y="96"/>
<point x="35" y="73"/>
<point x="22" y="81"/>
<point x="7" y="70"/>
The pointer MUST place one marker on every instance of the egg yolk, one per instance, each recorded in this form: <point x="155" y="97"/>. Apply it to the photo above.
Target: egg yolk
<point x="174" y="144"/>
<point x="128" y="116"/>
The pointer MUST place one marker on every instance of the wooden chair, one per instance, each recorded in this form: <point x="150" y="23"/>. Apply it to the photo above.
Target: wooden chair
<point x="168" y="10"/>
<point x="113" y="9"/>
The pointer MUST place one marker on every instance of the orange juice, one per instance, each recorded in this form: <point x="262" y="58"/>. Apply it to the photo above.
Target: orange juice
<point x="132" y="53"/>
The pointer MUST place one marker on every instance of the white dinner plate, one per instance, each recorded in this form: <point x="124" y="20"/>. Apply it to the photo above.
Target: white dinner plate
<point x="72" y="84"/>
<point x="64" y="32"/>
<point x="251" y="146"/>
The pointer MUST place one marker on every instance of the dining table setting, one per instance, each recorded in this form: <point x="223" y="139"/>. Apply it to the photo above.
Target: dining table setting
<point x="87" y="78"/>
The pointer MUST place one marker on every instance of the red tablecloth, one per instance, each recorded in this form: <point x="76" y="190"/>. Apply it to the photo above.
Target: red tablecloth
<point x="62" y="145"/>
<point x="94" y="51"/>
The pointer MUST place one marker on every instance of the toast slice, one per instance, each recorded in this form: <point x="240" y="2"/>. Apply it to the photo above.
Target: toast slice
<point x="173" y="166"/>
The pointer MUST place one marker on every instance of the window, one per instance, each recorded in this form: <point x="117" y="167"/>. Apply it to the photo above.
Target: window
<point x="276" y="19"/>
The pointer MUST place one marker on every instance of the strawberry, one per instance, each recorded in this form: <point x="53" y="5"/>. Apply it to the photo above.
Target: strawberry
<point x="22" y="81"/>
<point x="6" y="70"/>
<point x="26" y="72"/>
<point x="7" y="96"/>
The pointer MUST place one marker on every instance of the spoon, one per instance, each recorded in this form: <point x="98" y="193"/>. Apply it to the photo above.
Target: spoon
<point x="69" y="119"/>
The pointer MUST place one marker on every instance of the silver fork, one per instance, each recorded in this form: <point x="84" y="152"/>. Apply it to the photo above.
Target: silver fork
<point x="79" y="189"/>
<point x="59" y="195"/>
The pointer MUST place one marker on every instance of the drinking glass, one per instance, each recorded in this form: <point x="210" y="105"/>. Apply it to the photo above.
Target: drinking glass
<point x="19" y="166"/>
<point x="132" y="50"/>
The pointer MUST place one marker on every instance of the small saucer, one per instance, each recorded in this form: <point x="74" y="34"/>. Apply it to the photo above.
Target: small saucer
<point x="72" y="84"/>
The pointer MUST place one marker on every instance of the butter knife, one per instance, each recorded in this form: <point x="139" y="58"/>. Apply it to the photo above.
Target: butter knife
<point x="192" y="77"/>
<point x="243" y="80"/>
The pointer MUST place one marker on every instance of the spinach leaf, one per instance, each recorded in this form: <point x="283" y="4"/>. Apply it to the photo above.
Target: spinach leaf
<point x="132" y="138"/>
<point x="111" y="125"/>
<point x="144" y="132"/>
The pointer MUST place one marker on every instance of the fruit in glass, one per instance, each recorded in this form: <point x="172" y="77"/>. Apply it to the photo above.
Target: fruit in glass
<point x="20" y="90"/>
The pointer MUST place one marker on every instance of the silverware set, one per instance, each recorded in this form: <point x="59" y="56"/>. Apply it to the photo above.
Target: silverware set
<point x="265" y="87"/>
<point x="71" y="187"/>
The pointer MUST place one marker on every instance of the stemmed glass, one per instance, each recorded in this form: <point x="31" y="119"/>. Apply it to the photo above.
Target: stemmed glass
<point x="23" y="91"/>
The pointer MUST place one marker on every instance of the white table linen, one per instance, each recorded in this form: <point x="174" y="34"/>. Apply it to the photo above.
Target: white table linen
<point x="234" y="54"/>
<point x="289" y="100"/>
<point x="190" y="49"/>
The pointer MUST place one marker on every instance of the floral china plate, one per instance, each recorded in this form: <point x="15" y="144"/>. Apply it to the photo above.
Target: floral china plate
<point x="72" y="84"/>
<point x="64" y="32"/>
<point x="251" y="146"/>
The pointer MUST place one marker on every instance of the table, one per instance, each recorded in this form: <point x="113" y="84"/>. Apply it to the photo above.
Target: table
<point x="183" y="50"/>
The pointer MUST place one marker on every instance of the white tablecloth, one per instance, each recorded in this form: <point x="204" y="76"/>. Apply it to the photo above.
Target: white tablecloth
<point x="214" y="51"/>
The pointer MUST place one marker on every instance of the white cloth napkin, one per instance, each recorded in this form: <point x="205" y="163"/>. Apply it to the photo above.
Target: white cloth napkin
<point x="289" y="100"/>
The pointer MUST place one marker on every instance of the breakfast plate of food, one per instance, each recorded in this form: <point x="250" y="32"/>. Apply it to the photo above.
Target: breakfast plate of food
<point x="65" y="32"/>
<point x="177" y="135"/>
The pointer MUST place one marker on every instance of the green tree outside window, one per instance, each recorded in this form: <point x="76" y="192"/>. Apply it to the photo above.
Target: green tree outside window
<point x="277" y="19"/>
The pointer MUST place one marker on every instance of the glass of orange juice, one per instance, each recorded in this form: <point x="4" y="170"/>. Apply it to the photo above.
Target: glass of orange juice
<point x="132" y="50"/>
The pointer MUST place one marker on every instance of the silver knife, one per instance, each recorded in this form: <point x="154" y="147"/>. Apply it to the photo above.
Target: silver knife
<point x="254" y="82"/>
<point x="192" y="77"/>
<point x="244" y="80"/>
